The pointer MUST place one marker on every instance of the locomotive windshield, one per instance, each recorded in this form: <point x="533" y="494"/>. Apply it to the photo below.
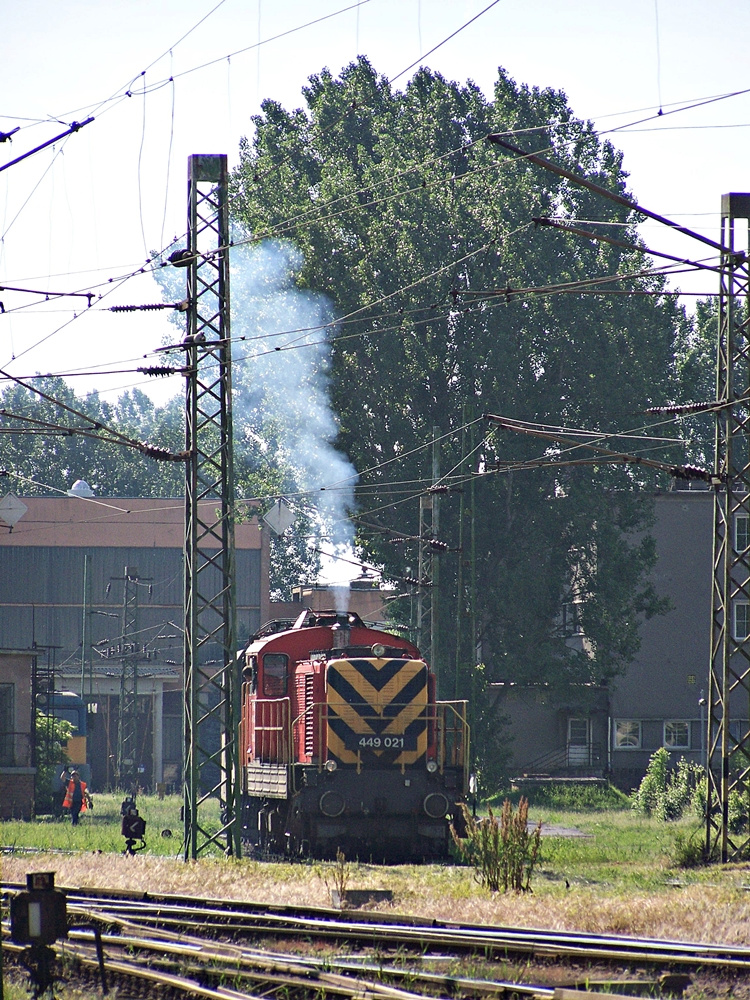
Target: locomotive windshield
<point x="275" y="674"/>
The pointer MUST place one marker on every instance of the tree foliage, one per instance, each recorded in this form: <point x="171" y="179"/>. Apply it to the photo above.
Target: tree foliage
<point x="51" y="737"/>
<point x="43" y="458"/>
<point x="410" y="220"/>
<point x="696" y="382"/>
<point x="46" y="459"/>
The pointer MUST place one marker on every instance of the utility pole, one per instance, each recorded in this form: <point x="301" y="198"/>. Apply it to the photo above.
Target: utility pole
<point x="435" y="646"/>
<point x="728" y="715"/>
<point x="428" y="571"/>
<point x="424" y="576"/>
<point x="463" y="685"/>
<point x="127" y="721"/>
<point x="212" y="688"/>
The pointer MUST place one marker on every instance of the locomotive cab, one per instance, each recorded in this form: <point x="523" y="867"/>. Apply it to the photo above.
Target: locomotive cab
<point x="344" y="745"/>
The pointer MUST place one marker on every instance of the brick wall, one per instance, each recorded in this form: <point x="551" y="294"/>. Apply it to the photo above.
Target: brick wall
<point x="16" y="793"/>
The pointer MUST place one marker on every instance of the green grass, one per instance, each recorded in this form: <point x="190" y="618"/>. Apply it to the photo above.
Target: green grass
<point x="99" y="828"/>
<point x="620" y="850"/>
<point x="618" y="877"/>
<point x="573" y="797"/>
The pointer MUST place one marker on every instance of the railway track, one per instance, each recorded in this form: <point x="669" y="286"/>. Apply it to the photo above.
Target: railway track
<point x="201" y="945"/>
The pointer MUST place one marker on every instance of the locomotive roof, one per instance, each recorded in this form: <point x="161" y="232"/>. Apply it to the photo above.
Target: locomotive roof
<point x="314" y="631"/>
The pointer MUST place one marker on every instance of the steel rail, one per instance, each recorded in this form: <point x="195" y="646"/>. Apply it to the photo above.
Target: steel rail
<point x="331" y="923"/>
<point x="236" y="917"/>
<point x="203" y="966"/>
<point x="197" y="962"/>
<point x="184" y="985"/>
<point x="275" y="962"/>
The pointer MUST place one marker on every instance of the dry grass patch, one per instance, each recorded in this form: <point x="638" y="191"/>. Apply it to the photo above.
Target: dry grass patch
<point x="696" y="912"/>
<point x="619" y="879"/>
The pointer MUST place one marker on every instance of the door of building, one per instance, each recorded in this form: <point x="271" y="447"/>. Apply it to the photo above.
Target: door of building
<point x="579" y="743"/>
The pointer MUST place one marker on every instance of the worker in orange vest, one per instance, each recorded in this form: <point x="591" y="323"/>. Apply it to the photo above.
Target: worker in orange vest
<point x="77" y="797"/>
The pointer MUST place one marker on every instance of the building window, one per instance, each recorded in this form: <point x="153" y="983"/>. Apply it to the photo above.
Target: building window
<point x="741" y="620"/>
<point x="627" y="734"/>
<point x="741" y="532"/>
<point x="571" y="619"/>
<point x="677" y="735"/>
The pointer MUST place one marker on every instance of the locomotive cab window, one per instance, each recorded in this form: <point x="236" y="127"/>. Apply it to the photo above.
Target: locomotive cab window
<point x="275" y="674"/>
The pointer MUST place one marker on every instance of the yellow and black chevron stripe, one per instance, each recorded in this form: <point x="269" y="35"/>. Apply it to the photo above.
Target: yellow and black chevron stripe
<point x="377" y="710"/>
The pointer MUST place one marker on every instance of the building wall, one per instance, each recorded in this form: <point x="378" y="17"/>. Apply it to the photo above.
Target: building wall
<point x="365" y="597"/>
<point x="42" y="570"/>
<point x="16" y="772"/>
<point x="41" y="602"/>
<point x="656" y="702"/>
<point x="669" y="675"/>
<point x="538" y="725"/>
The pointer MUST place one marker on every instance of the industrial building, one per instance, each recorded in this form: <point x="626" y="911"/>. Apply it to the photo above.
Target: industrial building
<point x="64" y="568"/>
<point x="660" y="700"/>
<point x="62" y="582"/>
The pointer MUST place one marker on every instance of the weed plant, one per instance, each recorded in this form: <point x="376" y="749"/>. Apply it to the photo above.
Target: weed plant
<point x="502" y="850"/>
<point x="668" y="793"/>
<point x="336" y="875"/>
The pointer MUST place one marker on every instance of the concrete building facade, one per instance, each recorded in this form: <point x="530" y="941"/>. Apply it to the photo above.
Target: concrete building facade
<point x="16" y="734"/>
<point x="660" y="699"/>
<point x="62" y="591"/>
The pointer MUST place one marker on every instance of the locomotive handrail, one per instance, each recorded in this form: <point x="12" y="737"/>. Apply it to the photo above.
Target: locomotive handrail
<point x="452" y="731"/>
<point x="292" y="730"/>
<point x="460" y="748"/>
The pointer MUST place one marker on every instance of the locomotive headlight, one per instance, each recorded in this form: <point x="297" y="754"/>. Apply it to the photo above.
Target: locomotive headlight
<point x="378" y="649"/>
<point x="432" y="766"/>
<point x="331" y="765"/>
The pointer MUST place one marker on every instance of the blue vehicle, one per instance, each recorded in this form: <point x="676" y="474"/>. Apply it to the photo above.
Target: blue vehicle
<point x="71" y="707"/>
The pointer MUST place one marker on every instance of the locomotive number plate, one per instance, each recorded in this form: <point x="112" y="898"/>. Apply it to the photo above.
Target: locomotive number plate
<point x="359" y="741"/>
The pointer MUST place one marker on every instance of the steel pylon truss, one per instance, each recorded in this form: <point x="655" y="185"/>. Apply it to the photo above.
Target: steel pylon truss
<point x="424" y="572"/>
<point x="211" y="687"/>
<point x="728" y="735"/>
<point x="127" y="720"/>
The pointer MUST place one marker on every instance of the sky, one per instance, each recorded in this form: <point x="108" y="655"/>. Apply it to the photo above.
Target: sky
<point x="93" y="207"/>
<point x="167" y="79"/>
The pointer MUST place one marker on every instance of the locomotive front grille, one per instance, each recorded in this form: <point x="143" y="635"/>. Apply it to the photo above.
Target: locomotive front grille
<point x="377" y="710"/>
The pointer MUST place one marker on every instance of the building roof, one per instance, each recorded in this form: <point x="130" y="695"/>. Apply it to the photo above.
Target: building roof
<point x="111" y="522"/>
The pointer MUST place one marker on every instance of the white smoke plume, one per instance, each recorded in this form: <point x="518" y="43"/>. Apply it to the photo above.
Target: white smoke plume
<point x="281" y="377"/>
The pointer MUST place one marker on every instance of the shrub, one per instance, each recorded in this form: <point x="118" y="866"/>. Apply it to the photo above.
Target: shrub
<point x="700" y="798"/>
<point x="737" y="806"/>
<point x="51" y="736"/>
<point x="665" y="792"/>
<point x="737" y="818"/>
<point x="503" y="851"/>
<point x="690" y="851"/>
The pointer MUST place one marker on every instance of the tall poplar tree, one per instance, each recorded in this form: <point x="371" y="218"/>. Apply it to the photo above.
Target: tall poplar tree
<point x="407" y="218"/>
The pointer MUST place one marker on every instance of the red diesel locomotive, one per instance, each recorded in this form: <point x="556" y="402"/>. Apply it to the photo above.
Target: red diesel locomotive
<point x="344" y="746"/>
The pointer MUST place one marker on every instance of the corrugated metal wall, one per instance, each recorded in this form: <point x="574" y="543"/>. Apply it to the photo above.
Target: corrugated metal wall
<point x="41" y="594"/>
